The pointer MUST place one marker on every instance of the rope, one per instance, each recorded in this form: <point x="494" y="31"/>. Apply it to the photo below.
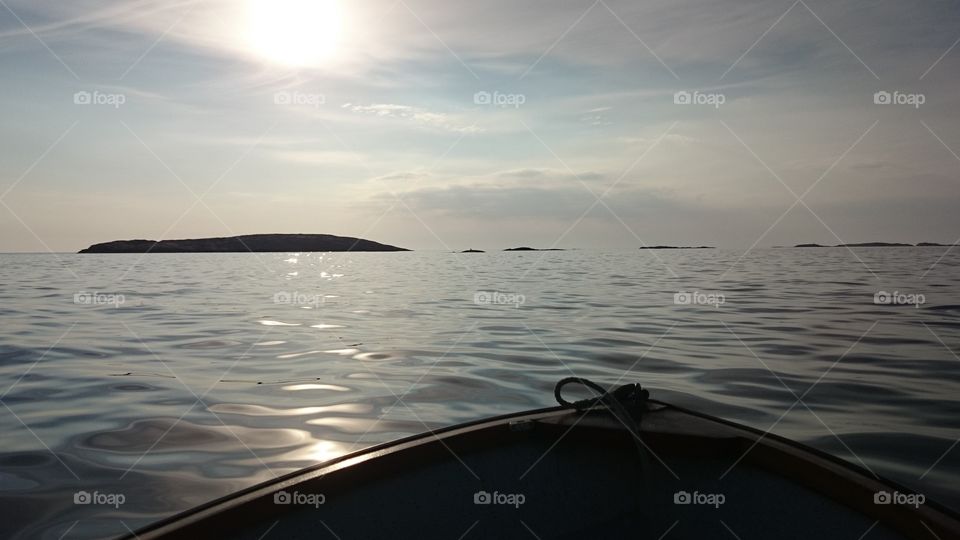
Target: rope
<point x="628" y="394"/>
<point x="626" y="403"/>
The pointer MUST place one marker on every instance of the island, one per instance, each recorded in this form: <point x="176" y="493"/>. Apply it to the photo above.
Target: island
<point x="525" y="248"/>
<point x="874" y="244"/>
<point x="677" y="247"/>
<point x="256" y="243"/>
<point x="473" y="251"/>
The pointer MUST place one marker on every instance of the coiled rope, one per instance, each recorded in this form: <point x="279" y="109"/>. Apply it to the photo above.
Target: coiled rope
<point x="626" y="403"/>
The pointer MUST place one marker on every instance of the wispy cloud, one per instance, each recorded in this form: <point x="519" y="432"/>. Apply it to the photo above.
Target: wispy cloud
<point x="416" y="115"/>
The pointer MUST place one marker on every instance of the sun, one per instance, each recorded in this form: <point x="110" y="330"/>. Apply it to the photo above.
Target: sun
<point x="296" y="33"/>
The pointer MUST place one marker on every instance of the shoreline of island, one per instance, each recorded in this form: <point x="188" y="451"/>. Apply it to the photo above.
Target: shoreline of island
<point x="250" y="243"/>
<point x="299" y="242"/>
<point x="870" y="245"/>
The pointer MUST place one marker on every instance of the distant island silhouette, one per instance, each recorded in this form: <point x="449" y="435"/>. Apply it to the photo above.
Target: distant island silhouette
<point x="874" y="244"/>
<point x="677" y="247"/>
<point x="525" y="248"/>
<point x="257" y="243"/>
<point x="473" y="251"/>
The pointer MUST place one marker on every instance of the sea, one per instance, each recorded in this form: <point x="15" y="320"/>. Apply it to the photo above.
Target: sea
<point x="133" y="387"/>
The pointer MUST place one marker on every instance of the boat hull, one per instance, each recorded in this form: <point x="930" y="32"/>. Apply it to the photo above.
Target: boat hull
<point x="557" y="473"/>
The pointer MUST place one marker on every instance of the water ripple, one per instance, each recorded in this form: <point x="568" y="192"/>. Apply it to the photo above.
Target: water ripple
<point x="204" y="382"/>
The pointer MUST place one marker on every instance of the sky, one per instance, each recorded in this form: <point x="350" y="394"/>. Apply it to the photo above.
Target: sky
<point x="446" y="124"/>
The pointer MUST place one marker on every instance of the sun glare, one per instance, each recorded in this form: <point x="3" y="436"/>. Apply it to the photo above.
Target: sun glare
<point x="299" y="33"/>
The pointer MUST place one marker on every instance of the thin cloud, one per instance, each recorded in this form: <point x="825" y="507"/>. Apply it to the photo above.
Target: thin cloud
<point x="416" y="115"/>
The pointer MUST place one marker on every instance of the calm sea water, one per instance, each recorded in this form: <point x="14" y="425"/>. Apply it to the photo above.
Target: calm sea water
<point x="186" y="377"/>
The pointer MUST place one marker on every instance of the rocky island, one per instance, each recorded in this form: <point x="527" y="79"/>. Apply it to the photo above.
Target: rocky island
<point x="257" y="243"/>
<point x="526" y="248"/>
<point x="873" y="244"/>
<point x="677" y="247"/>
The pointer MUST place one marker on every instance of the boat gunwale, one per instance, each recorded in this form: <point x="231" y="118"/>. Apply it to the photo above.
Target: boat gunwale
<point x="757" y="439"/>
